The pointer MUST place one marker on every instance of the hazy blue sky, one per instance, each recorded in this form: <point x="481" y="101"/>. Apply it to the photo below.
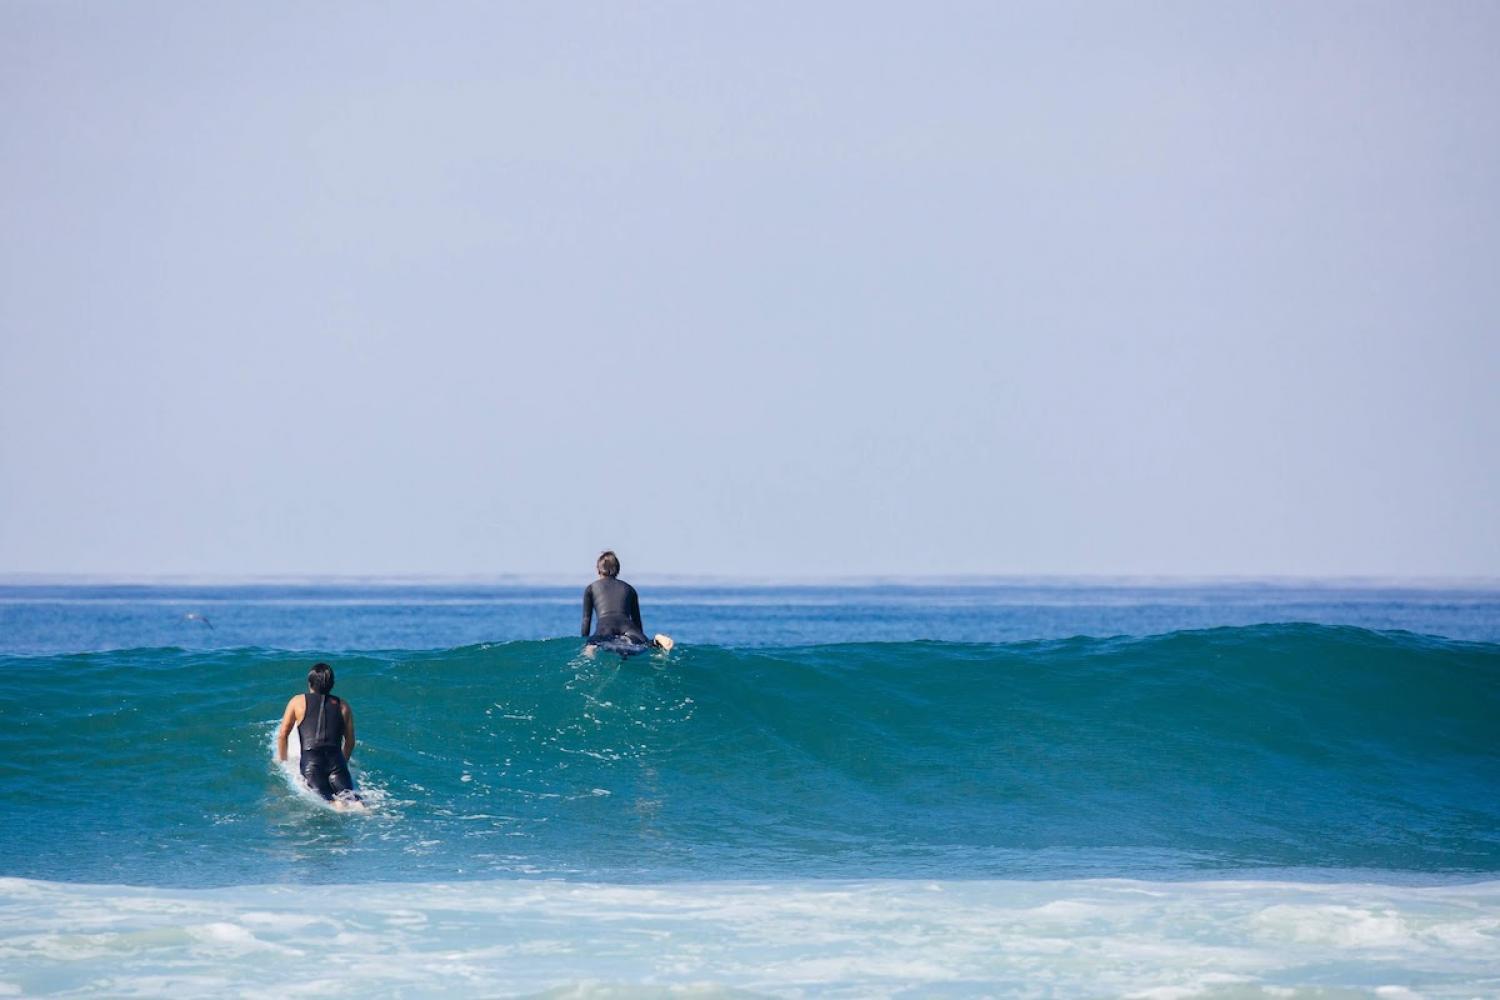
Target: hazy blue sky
<point x="781" y="289"/>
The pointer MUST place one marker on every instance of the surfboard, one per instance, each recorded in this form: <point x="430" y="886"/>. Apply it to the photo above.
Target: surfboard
<point x="624" y="648"/>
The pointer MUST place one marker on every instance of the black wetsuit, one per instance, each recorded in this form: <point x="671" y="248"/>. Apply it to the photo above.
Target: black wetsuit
<point x="618" y="608"/>
<point x="321" y="732"/>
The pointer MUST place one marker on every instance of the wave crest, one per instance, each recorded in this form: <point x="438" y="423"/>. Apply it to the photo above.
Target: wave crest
<point x="1228" y="749"/>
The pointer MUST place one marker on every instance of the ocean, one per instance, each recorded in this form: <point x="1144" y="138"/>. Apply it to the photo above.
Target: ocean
<point x="873" y="789"/>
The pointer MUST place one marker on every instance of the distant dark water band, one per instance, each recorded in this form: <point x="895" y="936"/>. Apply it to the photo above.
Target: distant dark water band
<point x="1267" y="746"/>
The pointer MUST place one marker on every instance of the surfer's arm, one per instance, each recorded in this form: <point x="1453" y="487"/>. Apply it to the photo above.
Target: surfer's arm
<point x="633" y="609"/>
<point x="288" y="721"/>
<point x="348" y="729"/>
<point x="588" y="609"/>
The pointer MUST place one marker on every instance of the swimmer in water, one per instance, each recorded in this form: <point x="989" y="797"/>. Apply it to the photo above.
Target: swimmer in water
<point x="617" y="606"/>
<point x="325" y="728"/>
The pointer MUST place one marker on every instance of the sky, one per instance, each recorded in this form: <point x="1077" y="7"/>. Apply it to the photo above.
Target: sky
<point x="758" y="289"/>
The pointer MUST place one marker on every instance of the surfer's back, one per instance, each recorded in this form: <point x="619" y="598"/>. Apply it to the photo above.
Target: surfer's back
<point x="615" y="602"/>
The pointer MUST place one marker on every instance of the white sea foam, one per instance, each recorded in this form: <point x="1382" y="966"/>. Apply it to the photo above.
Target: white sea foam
<point x="1162" y="941"/>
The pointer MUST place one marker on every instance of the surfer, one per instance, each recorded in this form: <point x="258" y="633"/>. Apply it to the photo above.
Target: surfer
<point x="617" y="606"/>
<point x="325" y="729"/>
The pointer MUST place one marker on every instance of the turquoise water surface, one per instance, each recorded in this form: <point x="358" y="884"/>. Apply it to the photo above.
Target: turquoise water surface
<point x="880" y="743"/>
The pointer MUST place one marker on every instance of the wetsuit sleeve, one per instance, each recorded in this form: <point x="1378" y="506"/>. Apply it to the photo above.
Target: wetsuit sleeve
<point x="633" y="609"/>
<point x="588" y="609"/>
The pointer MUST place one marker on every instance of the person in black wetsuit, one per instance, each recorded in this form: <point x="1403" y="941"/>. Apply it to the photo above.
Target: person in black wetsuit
<point x="325" y="728"/>
<point x="618" y="608"/>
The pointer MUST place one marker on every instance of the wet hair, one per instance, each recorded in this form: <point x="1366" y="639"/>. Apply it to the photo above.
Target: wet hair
<point x="320" y="678"/>
<point x="608" y="564"/>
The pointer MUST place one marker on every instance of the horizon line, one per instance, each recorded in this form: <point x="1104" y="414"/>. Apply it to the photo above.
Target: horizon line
<point x="1367" y="580"/>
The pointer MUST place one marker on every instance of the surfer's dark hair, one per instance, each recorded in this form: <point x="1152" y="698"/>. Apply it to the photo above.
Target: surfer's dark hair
<point x="608" y="564"/>
<point x="320" y="678"/>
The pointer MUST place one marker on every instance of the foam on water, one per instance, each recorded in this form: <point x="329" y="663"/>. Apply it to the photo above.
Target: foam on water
<point x="857" y="939"/>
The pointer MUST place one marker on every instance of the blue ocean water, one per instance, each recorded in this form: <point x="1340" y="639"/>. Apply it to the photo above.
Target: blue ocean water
<point x="1266" y="766"/>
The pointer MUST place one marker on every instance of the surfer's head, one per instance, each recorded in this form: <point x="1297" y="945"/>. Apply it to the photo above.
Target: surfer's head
<point x="320" y="678"/>
<point x="608" y="564"/>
